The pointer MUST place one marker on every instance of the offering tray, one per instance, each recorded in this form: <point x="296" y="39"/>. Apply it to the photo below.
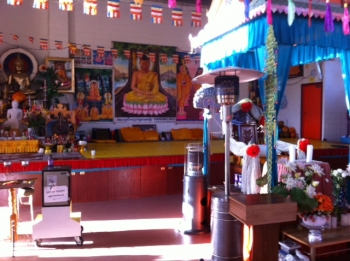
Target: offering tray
<point x="18" y="183"/>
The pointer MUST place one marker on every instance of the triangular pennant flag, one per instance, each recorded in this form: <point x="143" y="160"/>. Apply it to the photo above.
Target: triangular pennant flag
<point x="152" y="57"/>
<point x="114" y="52"/>
<point x="58" y="44"/>
<point x="65" y="5"/>
<point x="175" y="58"/>
<point x="41" y="4"/>
<point x="196" y="19"/>
<point x="135" y="11"/>
<point x="15" y="2"/>
<point x="139" y="54"/>
<point x="31" y="39"/>
<point x="113" y="7"/>
<point x="90" y="7"/>
<point x="156" y="14"/>
<point x="87" y="50"/>
<point x="197" y="59"/>
<point x="127" y="54"/>
<point x="101" y="51"/>
<point x="0" y="38"/>
<point x="187" y="59"/>
<point x="163" y="58"/>
<point x="15" y="37"/>
<point x="72" y="48"/>
<point x="44" y="44"/>
<point x="176" y="15"/>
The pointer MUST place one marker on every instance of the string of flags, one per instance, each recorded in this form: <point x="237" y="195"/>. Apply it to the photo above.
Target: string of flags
<point x="113" y="10"/>
<point x="86" y="50"/>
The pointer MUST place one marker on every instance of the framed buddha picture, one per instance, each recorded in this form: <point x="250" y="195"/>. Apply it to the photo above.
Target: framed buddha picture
<point x="64" y="68"/>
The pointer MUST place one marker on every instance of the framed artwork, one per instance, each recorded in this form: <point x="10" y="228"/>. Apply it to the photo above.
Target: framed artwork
<point x="64" y="67"/>
<point x="247" y="133"/>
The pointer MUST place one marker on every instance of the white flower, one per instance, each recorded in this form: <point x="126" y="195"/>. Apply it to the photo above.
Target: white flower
<point x="317" y="169"/>
<point x="335" y="172"/>
<point x="311" y="191"/>
<point x="344" y="174"/>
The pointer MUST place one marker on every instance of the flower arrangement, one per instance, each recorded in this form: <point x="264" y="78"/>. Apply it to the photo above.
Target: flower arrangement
<point x="340" y="179"/>
<point x="35" y="118"/>
<point x="253" y="150"/>
<point x="60" y="140"/>
<point x="302" y="189"/>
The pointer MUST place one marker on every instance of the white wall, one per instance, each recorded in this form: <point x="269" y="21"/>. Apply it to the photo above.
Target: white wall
<point x="334" y="106"/>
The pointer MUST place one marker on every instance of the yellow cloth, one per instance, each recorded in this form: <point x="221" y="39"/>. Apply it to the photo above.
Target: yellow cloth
<point x="132" y="134"/>
<point x="147" y="83"/>
<point x="183" y="84"/>
<point x="150" y="135"/>
<point x="19" y="146"/>
<point x="197" y="133"/>
<point x="181" y="134"/>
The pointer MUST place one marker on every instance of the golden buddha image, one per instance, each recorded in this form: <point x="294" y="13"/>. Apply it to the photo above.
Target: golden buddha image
<point x="94" y="93"/>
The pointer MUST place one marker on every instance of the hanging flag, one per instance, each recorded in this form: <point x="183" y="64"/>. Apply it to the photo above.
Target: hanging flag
<point x="44" y="44"/>
<point x="65" y="5"/>
<point x="197" y="59"/>
<point x="113" y="9"/>
<point x="139" y="2"/>
<point x="163" y="58"/>
<point x="41" y="4"/>
<point x="196" y="19"/>
<point x="87" y="50"/>
<point x="177" y="17"/>
<point x="31" y="39"/>
<point x="156" y="14"/>
<point x="58" y="45"/>
<point x="187" y="59"/>
<point x="114" y="52"/>
<point x="175" y="58"/>
<point x="72" y="48"/>
<point x="127" y="54"/>
<point x="199" y="6"/>
<point x="90" y="7"/>
<point x="101" y="51"/>
<point x="15" y="37"/>
<point x="14" y="2"/>
<point x="0" y="38"/>
<point x="135" y="11"/>
<point x="152" y="57"/>
<point x="139" y="54"/>
<point x="171" y="4"/>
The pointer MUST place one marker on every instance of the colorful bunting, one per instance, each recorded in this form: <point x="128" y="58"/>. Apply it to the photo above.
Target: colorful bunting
<point x="58" y="45"/>
<point x="44" y="44"/>
<point x="101" y="51"/>
<point x="171" y="4"/>
<point x="346" y="29"/>
<point x="328" y="19"/>
<point x="187" y="59"/>
<point x="87" y="50"/>
<point x="139" y="2"/>
<point x="291" y="12"/>
<point x="113" y="9"/>
<point x="65" y="5"/>
<point x="163" y="58"/>
<point x="15" y="37"/>
<point x="41" y="4"/>
<point x="14" y="2"/>
<point x="72" y="48"/>
<point x="177" y="17"/>
<point x="152" y="57"/>
<point x="199" y="6"/>
<point x="127" y="54"/>
<point x="90" y="7"/>
<point x="31" y="39"/>
<point x="197" y="59"/>
<point x="196" y="19"/>
<point x="156" y="14"/>
<point x="175" y="58"/>
<point x="139" y="54"/>
<point x="135" y="11"/>
<point x="114" y="53"/>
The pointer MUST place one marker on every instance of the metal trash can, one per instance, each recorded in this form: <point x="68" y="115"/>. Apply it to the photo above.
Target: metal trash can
<point x="226" y="231"/>
<point x="194" y="205"/>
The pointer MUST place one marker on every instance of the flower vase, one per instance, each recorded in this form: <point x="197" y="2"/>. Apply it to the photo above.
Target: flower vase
<point x="316" y="225"/>
<point x="340" y="205"/>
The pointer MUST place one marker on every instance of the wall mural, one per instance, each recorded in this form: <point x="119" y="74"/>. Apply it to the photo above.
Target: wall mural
<point x="146" y="83"/>
<point x="94" y="100"/>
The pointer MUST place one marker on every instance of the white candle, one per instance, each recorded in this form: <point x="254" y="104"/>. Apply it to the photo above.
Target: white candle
<point x="334" y="222"/>
<point x="309" y="152"/>
<point x="291" y="153"/>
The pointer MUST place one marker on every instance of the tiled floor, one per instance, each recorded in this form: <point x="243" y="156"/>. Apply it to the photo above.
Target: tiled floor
<point x="125" y="230"/>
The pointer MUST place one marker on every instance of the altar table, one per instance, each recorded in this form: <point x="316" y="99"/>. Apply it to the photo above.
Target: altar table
<point x="19" y="146"/>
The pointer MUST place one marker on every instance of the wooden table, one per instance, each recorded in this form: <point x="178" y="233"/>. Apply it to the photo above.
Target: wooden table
<point x="12" y="185"/>
<point x="330" y="237"/>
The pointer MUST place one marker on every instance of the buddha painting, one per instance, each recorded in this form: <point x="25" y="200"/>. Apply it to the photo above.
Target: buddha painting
<point x="94" y="93"/>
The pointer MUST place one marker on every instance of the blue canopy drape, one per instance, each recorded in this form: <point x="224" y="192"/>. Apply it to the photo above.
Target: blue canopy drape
<point x="245" y="46"/>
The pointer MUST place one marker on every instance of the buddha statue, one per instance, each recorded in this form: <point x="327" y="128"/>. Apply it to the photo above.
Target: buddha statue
<point x="14" y="116"/>
<point x="19" y="80"/>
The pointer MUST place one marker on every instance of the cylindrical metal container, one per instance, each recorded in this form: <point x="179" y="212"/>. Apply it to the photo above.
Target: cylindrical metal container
<point x="226" y="231"/>
<point x="194" y="205"/>
<point x="227" y="89"/>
